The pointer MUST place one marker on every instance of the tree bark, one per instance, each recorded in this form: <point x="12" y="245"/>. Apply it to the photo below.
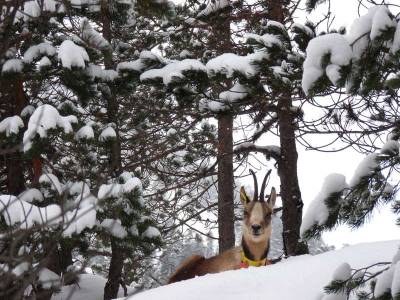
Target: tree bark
<point x="13" y="99"/>
<point x="290" y="191"/>
<point x="115" y="271"/>
<point x="226" y="228"/>
<point x="117" y="256"/>
<point x="221" y="42"/>
<point x="287" y="166"/>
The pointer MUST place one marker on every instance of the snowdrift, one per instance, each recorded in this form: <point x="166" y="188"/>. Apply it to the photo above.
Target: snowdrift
<point x="301" y="278"/>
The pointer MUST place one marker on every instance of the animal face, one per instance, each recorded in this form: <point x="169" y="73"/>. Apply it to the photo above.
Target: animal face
<point x="257" y="214"/>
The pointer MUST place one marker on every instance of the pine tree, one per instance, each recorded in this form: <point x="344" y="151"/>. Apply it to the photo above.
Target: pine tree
<point x="362" y="63"/>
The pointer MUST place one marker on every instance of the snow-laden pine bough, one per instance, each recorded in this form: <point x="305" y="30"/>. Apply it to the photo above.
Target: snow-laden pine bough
<point x="254" y="249"/>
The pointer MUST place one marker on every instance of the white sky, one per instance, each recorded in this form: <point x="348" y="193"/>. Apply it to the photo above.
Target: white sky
<point x="314" y="166"/>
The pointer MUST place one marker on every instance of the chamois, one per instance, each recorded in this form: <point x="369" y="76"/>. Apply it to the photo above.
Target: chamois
<point x="254" y="248"/>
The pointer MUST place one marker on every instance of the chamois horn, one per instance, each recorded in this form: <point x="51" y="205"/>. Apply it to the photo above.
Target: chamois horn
<point x="255" y="195"/>
<point x="263" y="186"/>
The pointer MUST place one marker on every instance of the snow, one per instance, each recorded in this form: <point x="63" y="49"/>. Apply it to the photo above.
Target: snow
<point x="237" y="92"/>
<point x="95" y="71"/>
<point x="270" y="148"/>
<point x="390" y="147"/>
<point x="384" y="282"/>
<point x="333" y="44"/>
<point x="268" y="40"/>
<point x="85" y="133"/>
<point x="21" y="268"/>
<point x="31" y="195"/>
<point x="229" y="63"/>
<point x="134" y="230"/>
<point x="301" y="277"/>
<point x="48" y="279"/>
<point x="151" y="232"/>
<point x="89" y="287"/>
<point x="173" y="70"/>
<point x="92" y="37"/>
<point x="72" y="55"/>
<point x="333" y="73"/>
<point x="13" y="65"/>
<point x="27" y="111"/>
<point x="116" y="190"/>
<point x="38" y="50"/>
<point x="44" y="118"/>
<point x="213" y="106"/>
<point x="114" y="227"/>
<point x="11" y="125"/>
<point x="19" y="212"/>
<point x="136" y="65"/>
<point x="396" y="40"/>
<point x="373" y="22"/>
<point x="395" y="288"/>
<point x="342" y="273"/>
<point x="304" y="28"/>
<point x="44" y="62"/>
<point x="33" y="10"/>
<point x="53" y="181"/>
<point x="82" y="217"/>
<point x="381" y="22"/>
<point x="16" y="211"/>
<point x="365" y="168"/>
<point x="272" y="23"/>
<point x="318" y="212"/>
<point x="212" y="7"/>
<point x="107" y="133"/>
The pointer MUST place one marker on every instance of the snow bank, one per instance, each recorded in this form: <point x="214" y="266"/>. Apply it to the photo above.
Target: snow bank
<point x="301" y="277"/>
<point x="89" y="287"/>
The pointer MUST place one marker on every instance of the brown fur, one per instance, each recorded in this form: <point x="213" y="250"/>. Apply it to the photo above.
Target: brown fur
<point x="254" y="247"/>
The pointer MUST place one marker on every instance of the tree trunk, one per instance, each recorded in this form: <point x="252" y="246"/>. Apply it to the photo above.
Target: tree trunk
<point x="290" y="191"/>
<point x="221" y="42"/>
<point x="287" y="167"/>
<point x="13" y="100"/>
<point x="115" y="271"/>
<point x="117" y="256"/>
<point x="226" y="228"/>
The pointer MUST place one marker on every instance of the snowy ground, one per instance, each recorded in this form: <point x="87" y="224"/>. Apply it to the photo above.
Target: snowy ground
<point x="91" y="287"/>
<point x="300" y="277"/>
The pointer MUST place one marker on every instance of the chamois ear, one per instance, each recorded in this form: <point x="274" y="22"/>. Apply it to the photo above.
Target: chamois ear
<point x="272" y="198"/>
<point x="243" y="196"/>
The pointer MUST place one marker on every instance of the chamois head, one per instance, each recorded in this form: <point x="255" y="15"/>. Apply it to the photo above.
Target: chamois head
<point x="257" y="212"/>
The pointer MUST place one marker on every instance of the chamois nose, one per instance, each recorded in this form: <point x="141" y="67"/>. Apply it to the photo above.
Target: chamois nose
<point x="256" y="228"/>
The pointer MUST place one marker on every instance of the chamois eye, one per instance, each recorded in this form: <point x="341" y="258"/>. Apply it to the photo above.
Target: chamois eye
<point x="246" y="213"/>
